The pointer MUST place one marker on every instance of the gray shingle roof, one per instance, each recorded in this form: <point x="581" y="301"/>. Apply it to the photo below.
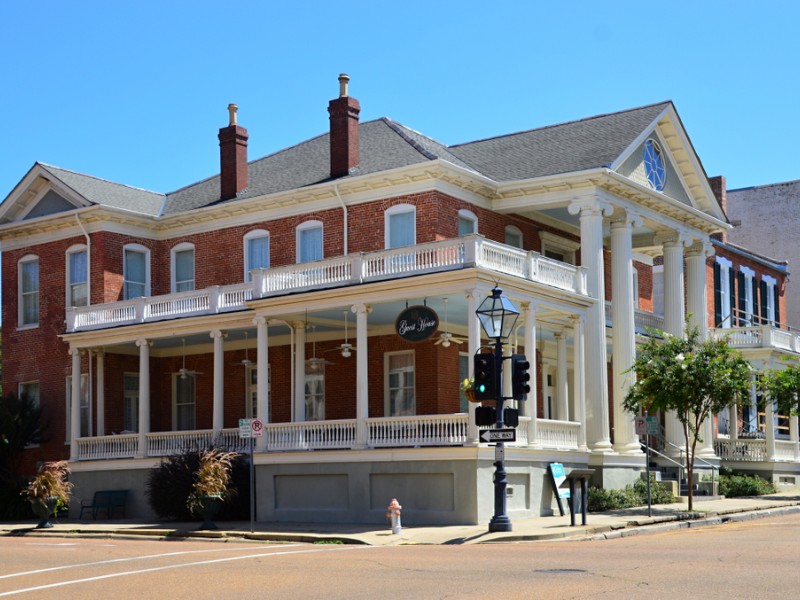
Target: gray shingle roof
<point x="108" y="193"/>
<point x="565" y="148"/>
<point x="384" y="145"/>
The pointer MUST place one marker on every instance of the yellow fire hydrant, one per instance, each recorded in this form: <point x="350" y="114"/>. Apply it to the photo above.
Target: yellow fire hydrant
<point x="394" y="514"/>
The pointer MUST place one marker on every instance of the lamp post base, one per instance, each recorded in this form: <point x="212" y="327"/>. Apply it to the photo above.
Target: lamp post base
<point x="499" y="523"/>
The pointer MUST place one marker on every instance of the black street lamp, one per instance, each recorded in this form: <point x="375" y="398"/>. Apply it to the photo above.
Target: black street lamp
<point x="498" y="316"/>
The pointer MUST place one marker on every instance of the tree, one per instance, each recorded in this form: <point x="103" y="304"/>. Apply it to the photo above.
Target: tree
<point x="783" y="388"/>
<point x="692" y="377"/>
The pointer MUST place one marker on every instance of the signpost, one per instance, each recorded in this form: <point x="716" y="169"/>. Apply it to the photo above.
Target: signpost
<point x="647" y="426"/>
<point x="248" y="430"/>
<point x="499" y="435"/>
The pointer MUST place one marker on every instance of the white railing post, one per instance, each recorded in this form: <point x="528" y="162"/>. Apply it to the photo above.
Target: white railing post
<point x="70" y="319"/>
<point x="139" y="307"/>
<point x="213" y="299"/>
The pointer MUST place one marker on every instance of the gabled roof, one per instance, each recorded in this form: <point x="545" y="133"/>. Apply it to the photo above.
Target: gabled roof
<point x="568" y="147"/>
<point x="108" y="193"/>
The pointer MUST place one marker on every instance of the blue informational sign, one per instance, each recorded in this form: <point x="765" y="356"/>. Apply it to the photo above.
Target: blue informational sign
<point x="559" y="477"/>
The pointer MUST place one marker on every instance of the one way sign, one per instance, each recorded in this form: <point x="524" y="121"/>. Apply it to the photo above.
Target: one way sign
<point x="499" y="435"/>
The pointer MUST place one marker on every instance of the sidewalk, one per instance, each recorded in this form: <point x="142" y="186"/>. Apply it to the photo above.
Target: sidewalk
<point x="606" y="525"/>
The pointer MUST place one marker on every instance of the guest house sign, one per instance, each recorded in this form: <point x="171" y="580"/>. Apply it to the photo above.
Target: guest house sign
<point x="416" y="323"/>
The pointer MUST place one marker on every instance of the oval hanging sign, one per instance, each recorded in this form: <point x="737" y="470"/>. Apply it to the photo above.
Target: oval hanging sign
<point x="416" y="323"/>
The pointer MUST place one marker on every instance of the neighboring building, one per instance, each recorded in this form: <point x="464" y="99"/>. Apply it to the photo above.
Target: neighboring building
<point x="765" y="220"/>
<point x="144" y="322"/>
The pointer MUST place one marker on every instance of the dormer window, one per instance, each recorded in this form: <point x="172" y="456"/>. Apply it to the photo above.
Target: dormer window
<point x="654" y="166"/>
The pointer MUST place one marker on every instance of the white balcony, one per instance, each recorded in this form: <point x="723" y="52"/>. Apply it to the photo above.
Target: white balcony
<point x="435" y="257"/>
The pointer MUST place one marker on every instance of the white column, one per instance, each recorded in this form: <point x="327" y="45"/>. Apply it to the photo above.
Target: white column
<point x="562" y="392"/>
<point x="530" y="406"/>
<point x="299" y="412"/>
<point x="101" y="393"/>
<point x="597" y="419"/>
<point x="769" y="427"/>
<point x="579" y="361"/>
<point x="623" y="334"/>
<point x="473" y="343"/>
<point x="696" y="291"/>
<point x="674" y="320"/>
<point x="218" y="411"/>
<point x="262" y="376"/>
<point x="75" y="403"/>
<point x="733" y="417"/>
<point x="793" y="436"/>
<point x="362" y="374"/>
<point x="144" y="395"/>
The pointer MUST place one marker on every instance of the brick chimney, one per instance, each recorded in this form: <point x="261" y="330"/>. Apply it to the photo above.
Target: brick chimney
<point x="232" y="157"/>
<point x="718" y="187"/>
<point x="344" y="130"/>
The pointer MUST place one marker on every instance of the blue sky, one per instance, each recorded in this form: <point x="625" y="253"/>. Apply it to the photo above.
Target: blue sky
<point x="135" y="92"/>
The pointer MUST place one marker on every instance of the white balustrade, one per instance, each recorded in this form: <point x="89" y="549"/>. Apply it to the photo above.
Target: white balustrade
<point x="166" y="443"/>
<point x="345" y="270"/>
<point x="561" y="435"/>
<point x="108" y="446"/>
<point x="741" y="449"/>
<point x="423" y="430"/>
<point x="784" y="450"/>
<point x="311" y="435"/>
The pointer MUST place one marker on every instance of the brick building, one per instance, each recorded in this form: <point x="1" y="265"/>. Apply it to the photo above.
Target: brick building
<point x="277" y="289"/>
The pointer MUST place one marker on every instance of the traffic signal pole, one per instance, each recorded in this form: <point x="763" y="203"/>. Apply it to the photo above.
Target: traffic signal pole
<point x="500" y="520"/>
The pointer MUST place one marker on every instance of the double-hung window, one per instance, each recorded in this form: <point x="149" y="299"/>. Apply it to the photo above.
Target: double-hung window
<point x="85" y="407"/>
<point x="400" y="226"/>
<point x="315" y="392"/>
<point x="77" y="276"/>
<point x="309" y="241"/>
<point x="183" y="408"/>
<point x="28" y="272"/>
<point x="513" y="236"/>
<point x="136" y="271"/>
<point x="467" y="222"/>
<point x="724" y="299"/>
<point x="130" y="402"/>
<point x="769" y="300"/>
<point x="183" y="268"/>
<point x="256" y="252"/>
<point x="400" y="388"/>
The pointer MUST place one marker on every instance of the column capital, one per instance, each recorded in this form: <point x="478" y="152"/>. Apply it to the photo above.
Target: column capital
<point x="626" y="219"/>
<point x="74" y="350"/>
<point x="217" y="333"/>
<point x="260" y="320"/>
<point x="143" y="342"/>
<point x="590" y="207"/>
<point x="700" y="249"/>
<point x="361" y="308"/>
<point x="672" y="239"/>
<point x="299" y="324"/>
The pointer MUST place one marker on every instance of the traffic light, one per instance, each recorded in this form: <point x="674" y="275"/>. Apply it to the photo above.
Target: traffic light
<point x="511" y="417"/>
<point x="485" y="377"/>
<point x="485" y="416"/>
<point x="520" y="377"/>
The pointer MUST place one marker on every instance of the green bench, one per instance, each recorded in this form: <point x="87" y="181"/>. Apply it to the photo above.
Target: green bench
<point x="105" y="500"/>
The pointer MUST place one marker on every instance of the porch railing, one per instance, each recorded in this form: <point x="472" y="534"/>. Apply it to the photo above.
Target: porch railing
<point x="741" y="450"/>
<point x="388" y="432"/>
<point x="457" y="253"/>
<point x="759" y="336"/>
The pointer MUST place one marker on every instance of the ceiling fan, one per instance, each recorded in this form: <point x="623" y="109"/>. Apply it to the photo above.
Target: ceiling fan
<point x="183" y="372"/>
<point x="346" y="348"/>
<point x="446" y="338"/>
<point x="245" y="362"/>
<point x="315" y="363"/>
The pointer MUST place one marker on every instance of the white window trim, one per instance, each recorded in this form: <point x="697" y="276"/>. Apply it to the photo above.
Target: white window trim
<point x="304" y="226"/>
<point x="173" y="266"/>
<point x="251" y="235"/>
<point x="469" y="216"/>
<point x="556" y="243"/>
<point x="20" y="308"/>
<point x="514" y="230"/>
<point x="725" y="267"/>
<point x="635" y="277"/>
<point x="75" y="249"/>
<point x="397" y="209"/>
<point x="146" y="251"/>
<point x="772" y="286"/>
<point x="749" y="274"/>
<point x="387" y="400"/>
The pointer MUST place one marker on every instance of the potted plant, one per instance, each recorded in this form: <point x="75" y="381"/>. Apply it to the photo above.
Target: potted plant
<point x="468" y="387"/>
<point x="49" y="491"/>
<point x="212" y="485"/>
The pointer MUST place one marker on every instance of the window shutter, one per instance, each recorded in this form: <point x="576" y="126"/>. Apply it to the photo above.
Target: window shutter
<point x="732" y="297"/>
<point x="756" y="320"/>
<point x="743" y="316"/>
<point x="717" y="296"/>
<point x="777" y="305"/>
<point x="764" y="303"/>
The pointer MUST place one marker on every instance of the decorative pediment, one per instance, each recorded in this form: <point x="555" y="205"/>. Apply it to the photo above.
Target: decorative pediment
<point x="39" y="194"/>
<point x="662" y="159"/>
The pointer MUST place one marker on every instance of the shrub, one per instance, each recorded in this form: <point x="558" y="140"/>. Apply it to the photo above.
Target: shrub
<point x="601" y="500"/>
<point x="736" y="485"/>
<point x="171" y="483"/>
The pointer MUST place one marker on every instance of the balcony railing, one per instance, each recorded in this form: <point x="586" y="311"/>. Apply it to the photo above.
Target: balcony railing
<point x="390" y="432"/>
<point x="458" y="253"/>
<point x="760" y="336"/>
